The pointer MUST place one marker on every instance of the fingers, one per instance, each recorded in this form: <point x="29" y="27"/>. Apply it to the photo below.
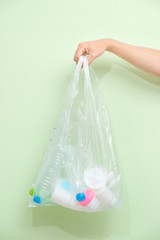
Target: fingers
<point x="81" y="50"/>
<point x="90" y="59"/>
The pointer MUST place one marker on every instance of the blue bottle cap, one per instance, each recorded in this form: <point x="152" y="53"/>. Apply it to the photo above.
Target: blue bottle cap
<point x="80" y="197"/>
<point x="65" y="185"/>
<point x="37" y="199"/>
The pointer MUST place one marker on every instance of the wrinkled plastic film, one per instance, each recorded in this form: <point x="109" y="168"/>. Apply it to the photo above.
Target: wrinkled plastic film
<point x="80" y="170"/>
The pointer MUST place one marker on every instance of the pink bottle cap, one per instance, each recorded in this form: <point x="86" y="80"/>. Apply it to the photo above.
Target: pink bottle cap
<point x="89" y="194"/>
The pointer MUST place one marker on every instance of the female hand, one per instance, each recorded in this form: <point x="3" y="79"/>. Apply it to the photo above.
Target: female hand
<point x="146" y="59"/>
<point x="93" y="49"/>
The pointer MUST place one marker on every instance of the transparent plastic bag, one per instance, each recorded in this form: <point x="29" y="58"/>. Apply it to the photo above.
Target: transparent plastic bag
<point x="80" y="169"/>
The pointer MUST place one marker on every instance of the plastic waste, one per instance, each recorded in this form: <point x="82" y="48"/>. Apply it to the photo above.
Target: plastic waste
<point x="80" y="169"/>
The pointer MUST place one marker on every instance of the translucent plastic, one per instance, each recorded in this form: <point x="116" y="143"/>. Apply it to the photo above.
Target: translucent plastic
<point x="80" y="169"/>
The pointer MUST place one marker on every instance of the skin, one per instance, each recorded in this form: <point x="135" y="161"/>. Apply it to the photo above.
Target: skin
<point x="146" y="59"/>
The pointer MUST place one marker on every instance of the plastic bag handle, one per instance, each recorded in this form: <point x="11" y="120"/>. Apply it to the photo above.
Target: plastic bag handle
<point x="83" y="60"/>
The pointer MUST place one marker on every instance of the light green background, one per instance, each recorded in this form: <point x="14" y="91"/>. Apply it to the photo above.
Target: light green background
<point x="37" y="43"/>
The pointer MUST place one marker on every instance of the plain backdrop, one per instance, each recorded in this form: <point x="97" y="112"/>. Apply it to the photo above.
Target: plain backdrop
<point x="38" y="39"/>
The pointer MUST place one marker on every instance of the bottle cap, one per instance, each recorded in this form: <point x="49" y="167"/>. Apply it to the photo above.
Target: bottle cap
<point x="31" y="191"/>
<point x="80" y="197"/>
<point x="65" y="185"/>
<point x="37" y="199"/>
<point x="89" y="195"/>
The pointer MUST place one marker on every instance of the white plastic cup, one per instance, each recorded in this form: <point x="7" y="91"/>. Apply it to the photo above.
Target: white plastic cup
<point x="95" y="177"/>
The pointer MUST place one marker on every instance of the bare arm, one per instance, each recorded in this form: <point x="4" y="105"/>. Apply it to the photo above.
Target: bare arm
<point x="146" y="59"/>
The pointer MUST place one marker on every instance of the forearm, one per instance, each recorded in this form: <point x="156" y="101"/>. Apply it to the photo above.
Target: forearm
<point x="146" y="59"/>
